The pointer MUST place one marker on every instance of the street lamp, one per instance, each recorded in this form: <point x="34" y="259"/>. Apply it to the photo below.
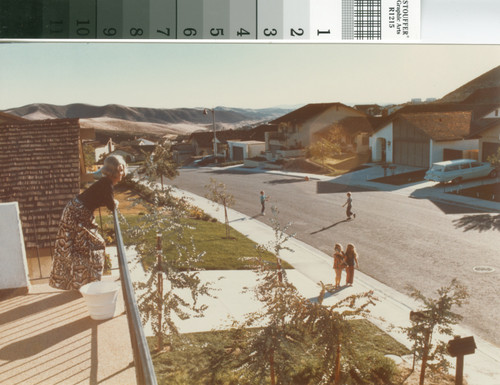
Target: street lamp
<point x="205" y="112"/>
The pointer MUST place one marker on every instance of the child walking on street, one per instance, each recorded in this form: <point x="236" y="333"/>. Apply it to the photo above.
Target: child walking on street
<point x="263" y="199"/>
<point x="348" y="211"/>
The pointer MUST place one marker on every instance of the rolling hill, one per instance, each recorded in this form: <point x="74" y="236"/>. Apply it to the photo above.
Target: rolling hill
<point x="155" y="122"/>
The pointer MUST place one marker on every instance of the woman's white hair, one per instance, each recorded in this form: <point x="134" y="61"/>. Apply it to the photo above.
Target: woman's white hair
<point x="113" y="164"/>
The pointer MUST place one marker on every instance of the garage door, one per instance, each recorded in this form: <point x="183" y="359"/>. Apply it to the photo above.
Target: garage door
<point x="411" y="146"/>
<point x="489" y="148"/>
<point x="237" y="153"/>
<point x="411" y="153"/>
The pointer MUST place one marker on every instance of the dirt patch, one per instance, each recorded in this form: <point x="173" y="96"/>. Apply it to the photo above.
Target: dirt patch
<point x="490" y="192"/>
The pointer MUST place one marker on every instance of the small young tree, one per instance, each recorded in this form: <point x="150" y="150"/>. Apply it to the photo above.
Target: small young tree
<point x="217" y="192"/>
<point x="436" y="315"/>
<point x="89" y="156"/>
<point x="297" y="329"/>
<point x="269" y="352"/>
<point x="494" y="159"/>
<point x="331" y="328"/>
<point x="160" y="303"/>
<point x="160" y="164"/>
<point x="324" y="148"/>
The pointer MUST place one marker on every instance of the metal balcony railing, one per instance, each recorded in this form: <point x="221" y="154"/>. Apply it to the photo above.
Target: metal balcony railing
<point x="142" y="358"/>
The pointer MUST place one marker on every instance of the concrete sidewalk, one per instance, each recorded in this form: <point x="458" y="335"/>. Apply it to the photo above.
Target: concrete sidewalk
<point x="393" y="308"/>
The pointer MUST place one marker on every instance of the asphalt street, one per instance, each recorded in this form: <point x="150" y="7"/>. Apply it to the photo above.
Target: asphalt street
<point x="400" y="240"/>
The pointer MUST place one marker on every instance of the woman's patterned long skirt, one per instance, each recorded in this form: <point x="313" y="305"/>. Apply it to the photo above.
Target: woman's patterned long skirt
<point x="79" y="249"/>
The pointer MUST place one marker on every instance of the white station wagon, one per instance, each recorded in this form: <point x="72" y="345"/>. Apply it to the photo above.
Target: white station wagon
<point x="458" y="170"/>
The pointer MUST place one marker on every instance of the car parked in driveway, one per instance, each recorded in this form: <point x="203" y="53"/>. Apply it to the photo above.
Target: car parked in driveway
<point x="458" y="170"/>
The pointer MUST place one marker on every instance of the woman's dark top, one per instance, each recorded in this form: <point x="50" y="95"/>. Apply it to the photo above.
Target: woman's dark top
<point x="349" y="258"/>
<point x="99" y="194"/>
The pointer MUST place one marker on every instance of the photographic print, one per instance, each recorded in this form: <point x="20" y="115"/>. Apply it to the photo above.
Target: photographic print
<point x="290" y="213"/>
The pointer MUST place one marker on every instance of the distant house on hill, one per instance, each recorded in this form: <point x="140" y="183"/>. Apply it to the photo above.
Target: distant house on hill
<point x="298" y="129"/>
<point x="419" y="135"/>
<point x="41" y="168"/>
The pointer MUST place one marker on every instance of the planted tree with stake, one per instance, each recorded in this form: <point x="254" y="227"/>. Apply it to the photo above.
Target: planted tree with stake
<point x="435" y="316"/>
<point x="217" y="192"/>
<point x="161" y="296"/>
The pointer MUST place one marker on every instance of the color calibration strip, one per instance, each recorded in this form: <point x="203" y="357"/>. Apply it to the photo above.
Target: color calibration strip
<point x="289" y="20"/>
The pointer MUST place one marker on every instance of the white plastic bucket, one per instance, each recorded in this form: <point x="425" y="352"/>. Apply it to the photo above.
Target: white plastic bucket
<point x="100" y="298"/>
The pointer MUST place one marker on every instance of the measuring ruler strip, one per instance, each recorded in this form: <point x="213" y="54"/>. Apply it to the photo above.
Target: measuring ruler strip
<point x="288" y="20"/>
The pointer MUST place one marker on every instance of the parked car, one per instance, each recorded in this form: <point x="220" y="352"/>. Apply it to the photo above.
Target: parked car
<point x="458" y="170"/>
<point x="209" y="159"/>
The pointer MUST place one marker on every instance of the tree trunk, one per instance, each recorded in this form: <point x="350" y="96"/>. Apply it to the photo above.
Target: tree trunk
<point x="425" y="355"/>
<point x="271" y="365"/>
<point x="226" y="218"/>
<point x="337" y="365"/>
<point x="160" y="294"/>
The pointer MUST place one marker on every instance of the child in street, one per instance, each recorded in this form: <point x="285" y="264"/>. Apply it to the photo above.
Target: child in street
<point x="263" y="199"/>
<point x="348" y="211"/>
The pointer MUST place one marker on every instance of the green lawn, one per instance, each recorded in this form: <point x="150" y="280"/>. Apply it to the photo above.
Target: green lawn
<point x="221" y="253"/>
<point x="205" y="358"/>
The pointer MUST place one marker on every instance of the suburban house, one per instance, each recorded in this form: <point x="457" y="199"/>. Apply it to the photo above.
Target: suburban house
<point x="487" y="131"/>
<point x="419" y="135"/>
<point x="245" y="149"/>
<point x="254" y="145"/>
<point x="299" y="128"/>
<point x="41" y="168"/>
<point x="203" y="141"/>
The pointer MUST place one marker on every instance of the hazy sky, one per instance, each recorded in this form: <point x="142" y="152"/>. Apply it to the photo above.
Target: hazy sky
<point x="251" y="75"/>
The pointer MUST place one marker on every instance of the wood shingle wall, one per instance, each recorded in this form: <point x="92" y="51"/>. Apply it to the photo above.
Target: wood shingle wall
<point x="40" y="169"/>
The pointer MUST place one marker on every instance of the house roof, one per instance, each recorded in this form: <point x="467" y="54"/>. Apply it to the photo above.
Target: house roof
<point x="259" y="133"/>
<point x="477" y="111"/>
<point x="7" y="118"/>
<point x="40" y="169"/>
<point x="484" y="95"/>
<point x="482" y="125"/>
<point x="440" y="125"/>
<point x="307" y="112"/>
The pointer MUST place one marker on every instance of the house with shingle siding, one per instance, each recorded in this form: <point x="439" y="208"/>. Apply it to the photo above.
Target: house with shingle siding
<point x="419" y="135"/>
<point x="41" y="168"/>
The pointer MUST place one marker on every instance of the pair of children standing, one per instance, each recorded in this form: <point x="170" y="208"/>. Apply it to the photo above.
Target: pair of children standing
<point x="345" y="260"/>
